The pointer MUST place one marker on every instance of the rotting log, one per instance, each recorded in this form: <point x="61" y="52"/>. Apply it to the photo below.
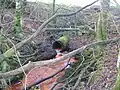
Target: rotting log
<point x="61" y="43"/>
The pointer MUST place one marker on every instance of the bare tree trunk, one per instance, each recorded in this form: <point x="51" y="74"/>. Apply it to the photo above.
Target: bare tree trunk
<point x="53" y="7"/>
<point x="54" y="20"/>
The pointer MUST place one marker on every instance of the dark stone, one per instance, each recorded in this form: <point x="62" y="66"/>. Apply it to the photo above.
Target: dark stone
<point x="41" y="51"/>
<point x="45" y="51"/>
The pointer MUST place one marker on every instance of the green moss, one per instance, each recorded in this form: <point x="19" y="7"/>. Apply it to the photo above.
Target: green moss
<point x="101" y="32"/>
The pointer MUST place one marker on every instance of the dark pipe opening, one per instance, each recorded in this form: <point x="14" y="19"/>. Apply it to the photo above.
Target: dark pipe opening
<point x="57" y="45"/>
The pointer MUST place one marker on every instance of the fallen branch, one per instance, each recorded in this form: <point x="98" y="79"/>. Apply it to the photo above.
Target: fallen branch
<point x="44" y="79"/>
<point x="67" y="29"/>
<point x="31" y="65"/>
<point x="70" y="14"/>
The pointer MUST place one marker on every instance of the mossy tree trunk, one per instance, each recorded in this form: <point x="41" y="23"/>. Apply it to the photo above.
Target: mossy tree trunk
<point x="101" y="34"/>
<point x="17" y="33"/>
<point x="17" y="29"/>
<point x="101" y="30"/>
<point x="101" y="27"/>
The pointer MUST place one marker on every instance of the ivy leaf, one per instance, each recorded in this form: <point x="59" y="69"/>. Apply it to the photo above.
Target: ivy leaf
<point x="5" y="66"/>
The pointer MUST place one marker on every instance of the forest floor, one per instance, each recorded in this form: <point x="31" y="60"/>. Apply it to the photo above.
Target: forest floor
<point x="109" y="71"/>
